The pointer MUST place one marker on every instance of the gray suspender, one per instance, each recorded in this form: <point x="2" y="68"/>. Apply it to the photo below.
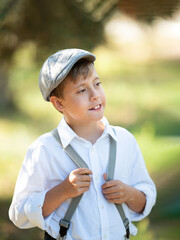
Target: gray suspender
<point x="65" y="223"/>
<point x="110" y="176"/>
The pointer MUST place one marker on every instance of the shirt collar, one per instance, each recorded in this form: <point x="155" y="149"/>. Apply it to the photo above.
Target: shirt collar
<point x="108" y="129"/>
<point x="67" y="134"/>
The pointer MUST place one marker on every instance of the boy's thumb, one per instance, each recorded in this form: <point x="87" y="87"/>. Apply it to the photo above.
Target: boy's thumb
<point x="105" y="176"/>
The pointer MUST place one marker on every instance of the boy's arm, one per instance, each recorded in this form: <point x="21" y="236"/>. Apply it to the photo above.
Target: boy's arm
<point x="116" y="191"/>
<point x="74" y="185"/>
<point x="140" y="193"/>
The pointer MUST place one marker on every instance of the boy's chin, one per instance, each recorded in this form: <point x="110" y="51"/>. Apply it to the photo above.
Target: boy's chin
<point x="98" y="118"/>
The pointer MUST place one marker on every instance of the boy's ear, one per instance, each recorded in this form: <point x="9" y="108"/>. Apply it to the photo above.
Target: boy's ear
<point x="57" y="103"/>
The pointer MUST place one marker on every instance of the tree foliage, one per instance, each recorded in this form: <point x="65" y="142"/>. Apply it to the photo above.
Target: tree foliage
<point x="51" y="25"/>
<point x="149" y="10"/>
<point x="57" y="24"/>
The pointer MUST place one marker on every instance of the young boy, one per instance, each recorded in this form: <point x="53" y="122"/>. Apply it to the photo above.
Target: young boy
<point x="49" y="179"/>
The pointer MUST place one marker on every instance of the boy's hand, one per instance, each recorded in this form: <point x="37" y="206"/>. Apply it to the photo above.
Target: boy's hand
<point x="116" y="191"/>
<point x="77" y="182"/>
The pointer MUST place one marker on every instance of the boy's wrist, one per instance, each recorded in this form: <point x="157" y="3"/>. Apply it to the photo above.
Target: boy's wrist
<point x="130" y="194"/>
<point x="64" y="191"/>
<point x="136" y="200"/>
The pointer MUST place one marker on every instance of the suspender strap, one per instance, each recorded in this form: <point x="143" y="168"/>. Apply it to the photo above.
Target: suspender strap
<point x="110" y="176"/>
<point x="70" y="151"/>
<point x="112" y="160"/>
<point x="65" y="222"/>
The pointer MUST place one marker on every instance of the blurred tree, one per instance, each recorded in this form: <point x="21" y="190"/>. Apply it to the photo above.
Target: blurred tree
<point x="56" y="24"/>
<point x="52" y="25"/>
<point x="148" y="10"/>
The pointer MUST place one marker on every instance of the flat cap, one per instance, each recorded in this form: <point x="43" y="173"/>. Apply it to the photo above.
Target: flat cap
<point x="57" y="67"/>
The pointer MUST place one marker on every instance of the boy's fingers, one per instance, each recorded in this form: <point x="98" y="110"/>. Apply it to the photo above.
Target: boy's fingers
<point x="109" y="190"/>
<point x="83" y="184"/>
<point x="82" y="171"/>
<point x="85" y="178"/>
<point x="112" y="196"/>
<point x="80" y="175"/>
<point x="83" y="189"/>
<point x="109" y="184"/>
<point x="105" y="176"/>
<point x="116" y="200"/>
<point x="115" y="197"/>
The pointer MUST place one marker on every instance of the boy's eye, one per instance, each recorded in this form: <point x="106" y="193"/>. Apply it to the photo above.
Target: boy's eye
<point x="98" y="83"/>
<point x="81" y="91"/>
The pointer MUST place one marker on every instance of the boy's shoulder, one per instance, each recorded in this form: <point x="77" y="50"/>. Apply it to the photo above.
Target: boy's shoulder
<point x="124" y="136"/>
<point x="125" y="139"/>
<point x="45" y="140"/>
<point x="123" y="132"/>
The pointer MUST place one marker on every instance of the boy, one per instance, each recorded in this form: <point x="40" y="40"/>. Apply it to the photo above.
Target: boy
<point x="49" y="179"/>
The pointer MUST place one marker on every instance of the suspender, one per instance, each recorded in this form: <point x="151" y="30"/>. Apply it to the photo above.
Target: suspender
<point x="110" y="176"/>
<point x="65" y="222"/>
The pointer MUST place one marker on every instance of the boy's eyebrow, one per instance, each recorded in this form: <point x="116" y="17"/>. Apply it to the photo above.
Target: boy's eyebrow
<point x="82" y="84"/>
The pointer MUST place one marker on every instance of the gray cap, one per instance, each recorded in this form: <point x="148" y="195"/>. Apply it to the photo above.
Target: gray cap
<point x="57" y="67"/>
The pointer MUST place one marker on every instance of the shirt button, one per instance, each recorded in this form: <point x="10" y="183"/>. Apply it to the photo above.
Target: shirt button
<point x="102" y="206"/>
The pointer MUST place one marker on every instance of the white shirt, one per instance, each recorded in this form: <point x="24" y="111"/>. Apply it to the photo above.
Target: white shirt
<point x="46" y="165"/>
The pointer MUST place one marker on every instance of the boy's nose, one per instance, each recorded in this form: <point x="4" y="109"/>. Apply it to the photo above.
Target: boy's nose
<point x="94" y="95"/>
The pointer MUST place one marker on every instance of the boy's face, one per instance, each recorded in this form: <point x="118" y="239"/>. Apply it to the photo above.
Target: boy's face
<point x="84" y="101"/>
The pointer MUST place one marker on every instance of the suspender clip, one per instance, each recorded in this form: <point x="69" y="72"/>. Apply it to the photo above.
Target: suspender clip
<point x="64" y="226"/>
<point x="64" y="223"/>
<point x="126" y="224"/>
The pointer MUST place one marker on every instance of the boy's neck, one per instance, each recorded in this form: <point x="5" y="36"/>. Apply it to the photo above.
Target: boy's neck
<point x="89" y="131"/>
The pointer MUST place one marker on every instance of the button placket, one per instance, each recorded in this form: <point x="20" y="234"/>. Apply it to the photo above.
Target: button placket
<point x="94" y="166"/>
<point x="92" y="149"/>
<point x="97" y="186"/>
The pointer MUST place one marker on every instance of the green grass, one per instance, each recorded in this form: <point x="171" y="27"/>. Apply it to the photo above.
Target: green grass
<point x="142" y="97"/>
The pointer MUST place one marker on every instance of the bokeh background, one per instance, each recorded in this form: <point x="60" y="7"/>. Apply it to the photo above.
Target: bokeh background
<point x="137" y="44"/>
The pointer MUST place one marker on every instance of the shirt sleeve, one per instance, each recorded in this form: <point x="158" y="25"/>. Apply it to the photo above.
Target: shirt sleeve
<point x="26" y="207"/>
<point x="141" y="180"/>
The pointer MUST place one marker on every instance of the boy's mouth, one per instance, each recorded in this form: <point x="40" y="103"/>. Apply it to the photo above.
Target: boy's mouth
<point x="96" y="107"/>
